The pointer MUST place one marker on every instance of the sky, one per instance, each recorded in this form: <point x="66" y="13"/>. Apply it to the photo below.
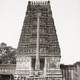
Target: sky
<point x="66" y="14"/>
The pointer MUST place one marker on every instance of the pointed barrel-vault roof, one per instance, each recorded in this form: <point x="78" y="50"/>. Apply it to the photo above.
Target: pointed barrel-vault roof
<point x="48" y="42"/>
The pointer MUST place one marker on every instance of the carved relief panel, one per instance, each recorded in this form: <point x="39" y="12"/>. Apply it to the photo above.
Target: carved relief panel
<point x="52" y="62"/>
<point x="23" y="63"/>
<point x="28" y="63"/>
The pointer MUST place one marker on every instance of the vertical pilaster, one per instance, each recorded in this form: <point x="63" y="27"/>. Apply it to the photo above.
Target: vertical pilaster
<point x="45" y="67"/>
<point x="37" y="65"/>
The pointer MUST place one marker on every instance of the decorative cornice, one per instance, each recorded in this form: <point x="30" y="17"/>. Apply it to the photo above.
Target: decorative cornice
<point x="39" y="2"/>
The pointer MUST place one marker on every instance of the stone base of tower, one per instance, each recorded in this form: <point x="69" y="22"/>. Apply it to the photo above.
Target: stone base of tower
<point x="49" y="75"/>
<point x="54" y="75"/>
<point x="50" y="71"/>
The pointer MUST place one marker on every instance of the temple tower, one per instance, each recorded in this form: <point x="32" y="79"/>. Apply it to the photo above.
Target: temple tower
<point x="38" y="56"/>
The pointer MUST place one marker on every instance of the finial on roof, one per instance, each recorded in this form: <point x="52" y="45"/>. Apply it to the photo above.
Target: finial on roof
<point x="39" y="2"/>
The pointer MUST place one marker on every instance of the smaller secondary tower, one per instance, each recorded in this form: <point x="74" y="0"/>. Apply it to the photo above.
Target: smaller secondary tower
<point x="38" y="56"/>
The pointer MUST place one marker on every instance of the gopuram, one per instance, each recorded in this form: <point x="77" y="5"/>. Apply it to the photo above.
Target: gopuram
<point x="38" y="52"/>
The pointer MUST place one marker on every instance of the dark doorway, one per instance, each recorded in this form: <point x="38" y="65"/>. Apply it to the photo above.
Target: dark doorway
<point x="42" y="62"/>
<point x="6" y="77"/>
<point x="33" y="63"/>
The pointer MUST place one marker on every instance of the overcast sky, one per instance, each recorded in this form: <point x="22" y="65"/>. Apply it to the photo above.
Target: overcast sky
<point x="66" y="14"/>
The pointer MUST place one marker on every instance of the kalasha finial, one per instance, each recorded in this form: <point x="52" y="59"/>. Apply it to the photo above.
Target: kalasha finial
<point x="29" y="2"/>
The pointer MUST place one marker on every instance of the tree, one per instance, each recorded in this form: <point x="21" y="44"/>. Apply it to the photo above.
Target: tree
<point x="7" y="55"/>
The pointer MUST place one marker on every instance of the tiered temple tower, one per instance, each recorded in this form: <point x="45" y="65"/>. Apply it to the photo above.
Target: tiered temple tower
<point x="38" y="55"/>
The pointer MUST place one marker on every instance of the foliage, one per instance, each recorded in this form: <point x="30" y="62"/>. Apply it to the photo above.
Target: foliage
<point x="7" y="55"/>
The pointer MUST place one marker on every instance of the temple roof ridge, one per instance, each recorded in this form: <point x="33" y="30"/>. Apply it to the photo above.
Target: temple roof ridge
<point x="39" y="2"/>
